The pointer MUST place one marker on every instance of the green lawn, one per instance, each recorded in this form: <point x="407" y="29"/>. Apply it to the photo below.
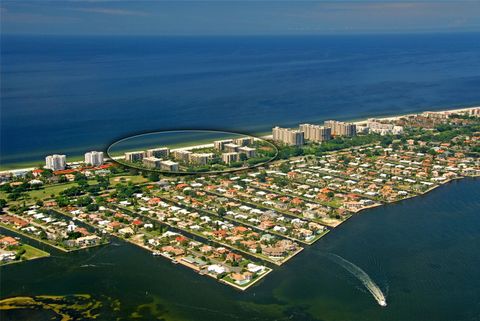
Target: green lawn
<point x="33" y="252"/>
<point x="135" y="179"/>
<point x="45" y="193"/>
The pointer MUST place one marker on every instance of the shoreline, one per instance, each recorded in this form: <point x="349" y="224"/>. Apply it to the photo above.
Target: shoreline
<point x="29" y="165"/>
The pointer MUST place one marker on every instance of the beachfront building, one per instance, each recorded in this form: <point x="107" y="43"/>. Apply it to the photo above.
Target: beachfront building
<point x="182" y="155"/>
<point x="200" y="158"/>
<point x="316" y="133"/>
<point x="169" y="166"/>
<point x="134" y="156"/>
<point x="247" y="151"/>
<point x="56" y="162"/>
<point x="151" y="162"/>
<point x="228" y="158"/>
<point x="288" y="136"/>
<point x="377" y="127"/>
<point x="340" y="128"/>
<point x="231" y="148"/>
<point x="474" y="112"/>
<point x="243" y="141"/>
<point x="161" y="152"/>
<point x="94" y="158"/>
<point x="220" y="144"/>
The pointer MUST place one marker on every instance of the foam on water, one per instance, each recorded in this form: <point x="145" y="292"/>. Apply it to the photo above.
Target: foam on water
<point x="360" y="274"/>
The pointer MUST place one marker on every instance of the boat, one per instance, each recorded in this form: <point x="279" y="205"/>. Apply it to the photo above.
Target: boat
<point x="156" y="253"/>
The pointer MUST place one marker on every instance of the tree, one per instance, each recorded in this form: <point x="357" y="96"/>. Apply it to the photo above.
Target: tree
<point x="92" y="207"/>
<point x="84" y="201"/>
<point x="80" y="177"/>
<point x="62" y="201"/>
<point x="221" y="211"/>
<point x="262" y="177"/>
<point x="285" y="167"/>
<point x="6" y="188"/>
<point x="42" y="235"/>
<point x="47" y="173"/>
<point x="154" y="177"/>
<point x="3" y="203"/>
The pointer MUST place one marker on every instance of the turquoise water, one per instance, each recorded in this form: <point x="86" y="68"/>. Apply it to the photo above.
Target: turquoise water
<point x="423" y="254"/>
<point x="73" y="94"/>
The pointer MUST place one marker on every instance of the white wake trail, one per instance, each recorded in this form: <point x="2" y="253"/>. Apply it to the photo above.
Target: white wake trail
<point x="360" y="274"/>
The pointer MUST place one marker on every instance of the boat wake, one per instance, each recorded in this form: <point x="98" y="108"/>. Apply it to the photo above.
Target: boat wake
<point x="360" y="274"/>
<point x="87" y="265"/>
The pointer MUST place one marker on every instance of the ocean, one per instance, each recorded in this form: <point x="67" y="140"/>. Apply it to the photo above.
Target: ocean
<point x="74" y="94"/>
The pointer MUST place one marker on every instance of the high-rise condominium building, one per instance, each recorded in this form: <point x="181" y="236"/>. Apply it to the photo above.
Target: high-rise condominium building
<point x="248" y="151"/>
<point x="201" y="158"/>
<point x="94" y="158"/>
<point x="244" y="141"/>
<point x="230" y="157"/>
<point x="341" y="129"/>
<point x="230" y="148"/>
<point x="316" y="133"/>
<point x="182" y="155"/>
<point x="134" y="156"/>
<point x="220" y="144"/>
<point x="288" y="136"/>
<point x="56" y="162"/>
<point x="160" y="152"/>
<point x="169" y="166"/>
<point x="151" y="162"/>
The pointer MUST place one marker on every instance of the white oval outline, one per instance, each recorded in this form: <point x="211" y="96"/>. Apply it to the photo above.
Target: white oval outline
<point x="190" y="173"/>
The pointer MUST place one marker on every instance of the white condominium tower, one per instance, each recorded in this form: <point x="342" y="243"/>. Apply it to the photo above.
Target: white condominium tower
<point x="160" y="152"/>
<point x="94" y="158"/>
<point x="341" y="129"/>
<point x="288" y="136"/>
<point x="56" y="162"/>
<point x="316" y="133"/>
<point x="134" y="156"/>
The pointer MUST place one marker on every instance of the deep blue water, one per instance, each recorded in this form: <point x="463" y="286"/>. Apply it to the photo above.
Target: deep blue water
<point x="71" y="94"/>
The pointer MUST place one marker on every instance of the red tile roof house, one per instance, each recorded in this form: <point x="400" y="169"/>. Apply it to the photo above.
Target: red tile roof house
<point x="50" y="204"/>
<point x="239" y="230"/>
<point x="37" y="172"/>
<point x="114" y="225"/>
<point x="273" y="251"/>
<point x="8" y="241"/>
<point x="181" y="239"/>
<point x="14" y="220"/>
<point x="241" y="278"/>
<point x="233" y="257"/>
<point x="296" y="201"/>
<point x="82" y="231"/>
<point x="220" y="233"/>
<point x="154" y="201"/>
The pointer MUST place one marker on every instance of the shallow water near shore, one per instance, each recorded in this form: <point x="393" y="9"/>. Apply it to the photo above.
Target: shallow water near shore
<point x="422" y="253"/>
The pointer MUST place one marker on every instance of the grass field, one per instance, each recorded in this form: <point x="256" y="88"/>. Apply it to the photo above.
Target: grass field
<point x="33" y="253"/>
<point x="126" y="179"/>
<point x="49" y="190"/>
<point x="45" y="193"/>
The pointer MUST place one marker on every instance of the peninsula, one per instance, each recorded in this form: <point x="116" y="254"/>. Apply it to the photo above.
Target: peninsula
<point x="236" y="227"/>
